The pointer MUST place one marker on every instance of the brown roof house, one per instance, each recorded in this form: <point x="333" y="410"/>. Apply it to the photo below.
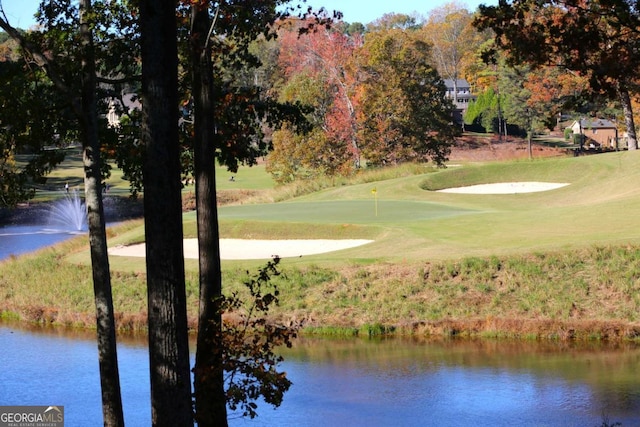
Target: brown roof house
<point x="596" y="134"/>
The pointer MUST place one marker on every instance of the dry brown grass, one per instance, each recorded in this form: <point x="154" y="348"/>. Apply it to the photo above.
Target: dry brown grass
<point x="482" y="148"/>
<point x="224" y="197"/>
<point x="587" y="294"/>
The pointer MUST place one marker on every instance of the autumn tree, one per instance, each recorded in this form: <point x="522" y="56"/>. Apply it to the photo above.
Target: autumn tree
<point x="518" y="106"/>
<point x="553" y="90"/>
<point x="596" y="39"/>
<point x="453" y="41"/>
<point x="306" y="155"/>
<point x="350" y="28"/>
<point x="319" y="70"/>
<point x="404" y="114"/>
<point x="529" y="99"/>
<point x="395" y="21"/>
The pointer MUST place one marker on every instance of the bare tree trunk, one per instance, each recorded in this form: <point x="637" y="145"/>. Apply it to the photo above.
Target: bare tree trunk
<point x="210" y="397"/>
<point x="105" y="320"/>
<point x="530" y="134"/>
<point x="500" y="118"/>
<point x="625" y="101"/>
<point x="171" y="404"/>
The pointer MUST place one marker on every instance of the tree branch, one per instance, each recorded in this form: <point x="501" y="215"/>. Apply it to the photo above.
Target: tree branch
<point x="112" y="81"/>
<point x="41" y="61"/>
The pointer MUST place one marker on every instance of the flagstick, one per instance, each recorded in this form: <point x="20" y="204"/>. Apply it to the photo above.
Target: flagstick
<point x="375" y="198"/>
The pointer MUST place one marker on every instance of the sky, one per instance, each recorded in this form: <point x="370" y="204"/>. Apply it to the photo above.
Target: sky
<point x="20" y="12"/>
<point x="366" y="11"/>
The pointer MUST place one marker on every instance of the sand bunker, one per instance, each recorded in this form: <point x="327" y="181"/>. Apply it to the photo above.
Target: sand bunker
<point x="505" y="188"/>
<point x="253" y="249"/>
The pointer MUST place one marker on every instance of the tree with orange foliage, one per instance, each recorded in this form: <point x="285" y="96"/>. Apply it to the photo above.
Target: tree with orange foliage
<point x="453" y="41"/>
<point x="597" y="39"/>
<point x="320" y="73"/>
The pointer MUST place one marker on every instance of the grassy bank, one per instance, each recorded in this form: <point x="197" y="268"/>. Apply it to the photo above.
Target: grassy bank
<point x="592" y="293"/>
<point x="556" y="265"/>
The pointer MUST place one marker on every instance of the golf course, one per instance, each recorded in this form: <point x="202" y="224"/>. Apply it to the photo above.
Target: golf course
<point x="557" y="264"/>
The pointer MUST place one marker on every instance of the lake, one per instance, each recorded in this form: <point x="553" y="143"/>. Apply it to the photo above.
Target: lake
<point x="356" y="382"/>
<point x="19" y="239"/>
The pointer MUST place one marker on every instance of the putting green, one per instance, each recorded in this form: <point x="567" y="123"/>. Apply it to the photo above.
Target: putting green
<point x="348" y="211"/>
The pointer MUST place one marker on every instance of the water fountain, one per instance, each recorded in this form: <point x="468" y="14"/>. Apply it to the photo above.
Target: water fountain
<point x="68" y="214"/>
<point x="44" y="224"/>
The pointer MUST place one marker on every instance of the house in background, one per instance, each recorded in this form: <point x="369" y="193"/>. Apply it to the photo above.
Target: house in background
<point x="127" y="102"/>
<point x="596" y="133"/>
<point x="460" y="92"/>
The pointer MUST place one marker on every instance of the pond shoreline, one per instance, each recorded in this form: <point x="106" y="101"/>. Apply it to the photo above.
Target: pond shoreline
<point x="358" y="382"/>
<point x="491" y="328"/>
<point x="67" y="301"/>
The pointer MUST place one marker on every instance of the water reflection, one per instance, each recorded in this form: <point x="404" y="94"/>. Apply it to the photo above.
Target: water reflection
<point x="458" y="383"/>
<point x="357" y="382"/>
<point x="55" y="367"/>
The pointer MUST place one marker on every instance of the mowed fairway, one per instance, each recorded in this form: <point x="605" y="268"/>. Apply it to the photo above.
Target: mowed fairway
<point x="344" y="212"/>
<point x="413" y="222"/>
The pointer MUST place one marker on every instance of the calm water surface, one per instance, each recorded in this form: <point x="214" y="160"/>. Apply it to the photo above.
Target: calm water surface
<point x="357" y="382"/>
<point x="20" y="239"/>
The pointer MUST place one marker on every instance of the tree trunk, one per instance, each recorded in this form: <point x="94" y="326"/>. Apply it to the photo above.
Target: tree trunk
<point x="105" y="321"/>
<point x="208" y="373"/>
<point x="530" y="133"/>
<point x="500" y="119"/>
<point x="85" y="110"/>
<point x="171" y="404"/>
<point x="625" y="101"/>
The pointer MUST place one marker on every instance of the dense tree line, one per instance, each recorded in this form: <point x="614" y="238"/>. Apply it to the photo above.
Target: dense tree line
<point x="337" y="78"/>
<point x="375" y="92"/>
<point x="593" y="42"/>
<point x="375" y="96"/>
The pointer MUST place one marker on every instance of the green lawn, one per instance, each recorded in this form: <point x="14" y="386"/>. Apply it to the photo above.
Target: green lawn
<point x="247" y="178"/>
<point x="518" y="262"/>
<point x="71" y="171"/>
<point x="414" y="222"/>
<point x="409" y="220"/>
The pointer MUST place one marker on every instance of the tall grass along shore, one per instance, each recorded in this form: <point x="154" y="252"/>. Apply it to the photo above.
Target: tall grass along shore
<point x="561" y="264"/>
